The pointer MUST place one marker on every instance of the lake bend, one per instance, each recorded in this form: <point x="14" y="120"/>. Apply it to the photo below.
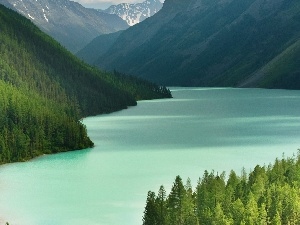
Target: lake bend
<point x="143" y="147"/>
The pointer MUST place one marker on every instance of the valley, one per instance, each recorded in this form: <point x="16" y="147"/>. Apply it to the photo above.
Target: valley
<point x="205" y="92"/>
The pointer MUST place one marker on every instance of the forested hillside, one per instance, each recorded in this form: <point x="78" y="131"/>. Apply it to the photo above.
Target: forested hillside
<point x="268" y="195"/>
<point x="45" y="91"/>
<point x="213" y="43"/>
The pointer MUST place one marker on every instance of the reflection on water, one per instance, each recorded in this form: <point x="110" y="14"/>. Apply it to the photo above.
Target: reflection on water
<point x="145" y="146"/>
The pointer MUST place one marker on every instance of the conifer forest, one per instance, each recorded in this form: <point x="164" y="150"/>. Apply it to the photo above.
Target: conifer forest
<point x="267" y="195"/>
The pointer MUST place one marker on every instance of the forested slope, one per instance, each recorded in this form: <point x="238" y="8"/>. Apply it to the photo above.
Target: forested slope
<point x="268" y="195"/>
<point x="45" y="90"/>
<point x="213" y="43"/>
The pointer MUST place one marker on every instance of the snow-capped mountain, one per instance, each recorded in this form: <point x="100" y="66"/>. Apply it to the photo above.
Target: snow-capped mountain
<point x="135" y="13"/>
<point x="68" y="22"/>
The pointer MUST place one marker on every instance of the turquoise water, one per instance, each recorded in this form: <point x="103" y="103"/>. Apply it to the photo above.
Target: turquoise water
<point x="140" y="148"/>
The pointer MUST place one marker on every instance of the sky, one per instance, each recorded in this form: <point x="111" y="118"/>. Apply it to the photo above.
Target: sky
<point x="104" y="4"/>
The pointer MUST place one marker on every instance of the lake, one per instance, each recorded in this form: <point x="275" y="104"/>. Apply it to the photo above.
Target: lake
<point x="140" y="148"/>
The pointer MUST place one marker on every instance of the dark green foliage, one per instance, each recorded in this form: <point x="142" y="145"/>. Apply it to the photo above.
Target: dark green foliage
<point x="268" y="195"/>
<point x="139" y="88"/>
<point x="161" y="206"/>
<point x="45" y="91"/>
<point x="32" y="125"/>
<point x="151" y="210"/>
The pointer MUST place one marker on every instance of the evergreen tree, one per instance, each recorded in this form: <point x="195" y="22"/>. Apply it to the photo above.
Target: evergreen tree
<point x="161" y="206"/>
<point x="237" y="211"/>
<point x="150" y="214"/>
<point x="263" y="216"/>
<point x="219" y="217"/>
<point x="175" y="202"/>
<point x="276" y="220"/>
<point x="189" y="208"/>
<point x="251" y="213"/>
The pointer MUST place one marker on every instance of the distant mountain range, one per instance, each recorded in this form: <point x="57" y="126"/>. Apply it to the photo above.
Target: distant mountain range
<point x="70" y="23"/>
<point x="249" y="43"/>
<point x="135" y="13"/>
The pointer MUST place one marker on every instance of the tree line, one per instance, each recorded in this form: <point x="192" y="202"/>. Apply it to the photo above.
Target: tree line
<point x="267" y="195"/>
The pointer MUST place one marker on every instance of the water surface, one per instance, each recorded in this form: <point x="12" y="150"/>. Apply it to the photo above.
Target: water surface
<point x="140" y="148"/>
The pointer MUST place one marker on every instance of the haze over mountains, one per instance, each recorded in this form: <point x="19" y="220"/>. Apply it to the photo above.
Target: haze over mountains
<point x="135" y="13"/>
<point x="251" y="43"/>
<point x="70" y="23"/>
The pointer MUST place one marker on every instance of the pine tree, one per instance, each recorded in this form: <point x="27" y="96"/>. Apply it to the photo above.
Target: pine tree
<point x="189" y="212"/>
<point x="263" y="216"/>
<point x="251" y="214"/>
<point x="175" y="202"/>
<point x="219" y="217"/>
<point x="276" y="220"/>
<point x="150" y="213"/>
<point x="237" y="211"/>
<point x="161" y="206"/>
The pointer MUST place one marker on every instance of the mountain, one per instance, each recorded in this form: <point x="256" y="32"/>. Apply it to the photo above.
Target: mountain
<point x="135" y="13"/>
<point x="68" y="22"/>
<point x="249" y="43"/>
<point x="132" y="14"/>
<point x="45" y="91"/>
<point x="97" y="47"/>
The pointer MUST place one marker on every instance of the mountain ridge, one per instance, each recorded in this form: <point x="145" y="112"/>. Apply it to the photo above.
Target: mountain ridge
<point x="206" y="43"/>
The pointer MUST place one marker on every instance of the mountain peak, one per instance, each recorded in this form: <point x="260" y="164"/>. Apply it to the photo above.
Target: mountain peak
<point x="135" y="13"/>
